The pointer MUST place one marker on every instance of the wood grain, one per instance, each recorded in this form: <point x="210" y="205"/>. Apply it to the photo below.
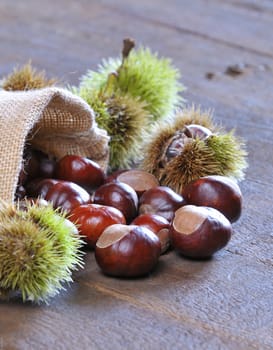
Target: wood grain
<point x="223" y="303"/>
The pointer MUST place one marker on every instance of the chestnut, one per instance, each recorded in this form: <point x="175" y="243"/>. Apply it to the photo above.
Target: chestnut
<point x="127" y="250"/>
<point x="196" y="131"/>
<point x="158" y="225"/>
<point x="46" y="167"/>
<point x="112" y="177"/>
<point x="92" y="219"/>
<point x="180" y="139"/>
<point x="30" y="166"/>
<point x="118" y="195"/>
<point x="64" y="194"/>
<point x="198" y="232"/>
<point x="20" y="192"/>
<point x="219" y="192"/>
<point x="37" y="164"/>
<point x="139" y="180"/>
<point x="22" y="178"/>
<point x="67" y="195"/>
<point x="39" y="187"/>
<point x="160" y="200"/>
<point x="81" y="170"/>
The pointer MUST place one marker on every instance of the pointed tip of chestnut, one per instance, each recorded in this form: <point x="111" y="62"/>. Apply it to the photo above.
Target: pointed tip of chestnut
<point x="218" y="192"/>
<point x="199" y="232"/>
<point x="127" y="250"/>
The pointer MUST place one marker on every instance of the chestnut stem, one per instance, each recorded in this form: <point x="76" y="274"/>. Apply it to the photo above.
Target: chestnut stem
<point x="128" y="45"/>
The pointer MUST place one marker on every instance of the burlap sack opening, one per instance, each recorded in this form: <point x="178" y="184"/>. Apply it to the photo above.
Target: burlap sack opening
<point x="54" y="121"/>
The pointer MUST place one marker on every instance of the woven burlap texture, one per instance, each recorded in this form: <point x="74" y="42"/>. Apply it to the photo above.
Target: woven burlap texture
<point x="54" y="121"/>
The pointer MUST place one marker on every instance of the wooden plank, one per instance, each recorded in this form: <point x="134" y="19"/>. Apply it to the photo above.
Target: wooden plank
<point x="192" y="54"/>
<point x="223" y="303"/>
<point x="252" y="5"/>
<point x="211" y="20"/>
<point x="99" y="308"/>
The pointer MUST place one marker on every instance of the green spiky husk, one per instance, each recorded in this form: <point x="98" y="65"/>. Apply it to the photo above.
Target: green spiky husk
<point x="26" y="78"/>
<point x="230" y="153"/>
<point x="142" y="75"/>
<point x="220" y="154"/>
<point x="125" y="119"/>
<point x="38" y="252"/>
<point x="125" y="125"/>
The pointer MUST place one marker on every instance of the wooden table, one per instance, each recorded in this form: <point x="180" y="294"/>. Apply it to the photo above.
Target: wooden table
<point x="223" y="303"/>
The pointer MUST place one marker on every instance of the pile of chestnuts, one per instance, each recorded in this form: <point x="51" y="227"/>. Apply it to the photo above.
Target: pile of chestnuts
<point x="127" y="217"/>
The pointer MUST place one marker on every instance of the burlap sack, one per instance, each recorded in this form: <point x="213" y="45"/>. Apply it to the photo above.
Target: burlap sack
<point x="54" y="121"/>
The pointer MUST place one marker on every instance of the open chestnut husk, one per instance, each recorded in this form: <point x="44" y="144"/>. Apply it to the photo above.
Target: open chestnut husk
<point x="218" y="192"/>
<point x="198" y="232"/>
<point x="127" y="250"/>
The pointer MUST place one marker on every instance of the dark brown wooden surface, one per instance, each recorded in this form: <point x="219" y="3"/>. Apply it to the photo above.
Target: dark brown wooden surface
<point x="224" y="303"/>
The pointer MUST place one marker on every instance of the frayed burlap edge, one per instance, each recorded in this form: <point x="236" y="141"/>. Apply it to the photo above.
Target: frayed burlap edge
<point x="52" y="120"/>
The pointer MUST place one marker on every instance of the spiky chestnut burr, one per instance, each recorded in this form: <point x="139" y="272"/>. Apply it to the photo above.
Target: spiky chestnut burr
<point x="124" y="118"/>
<point x="142" y="75"/>
<point x="39" y="249"/>
<point x="128" y="119"/>
<point x="157" y="142"/>
<point x="177" y="157"/>
<point x="26" y="78"/>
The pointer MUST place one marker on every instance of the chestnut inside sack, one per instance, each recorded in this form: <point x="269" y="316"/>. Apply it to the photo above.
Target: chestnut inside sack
<point x="52" y="120"/>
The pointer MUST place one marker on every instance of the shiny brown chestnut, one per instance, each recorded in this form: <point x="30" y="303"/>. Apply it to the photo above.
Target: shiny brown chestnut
<point x="120" y="196"/>
<point x="158" y="225"/>
<point x="127" y="250"/>
<point x="198" y="232"/>
<point x="83" y="171"/>
<point x="160" y="200"/>
<point x="67" y="195"/>
<point x="93" y="219"/>
<point x="219" y="192"/>
<point x="62" y="194"/>
<point x="139" y="180"/>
